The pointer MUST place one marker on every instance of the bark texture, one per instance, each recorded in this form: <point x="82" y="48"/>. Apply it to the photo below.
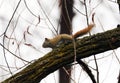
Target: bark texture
<point x="64" y="55"/>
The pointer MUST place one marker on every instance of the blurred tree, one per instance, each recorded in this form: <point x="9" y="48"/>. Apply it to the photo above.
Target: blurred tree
<point x="118" y="1"/>
<point x="65" y="28"/>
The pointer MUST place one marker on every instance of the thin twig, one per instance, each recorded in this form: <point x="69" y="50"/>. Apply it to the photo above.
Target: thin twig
<point x="29" y="9"/>
<point x="109" y="42"/>
<point x="47" y="17"/>
<point x="78" y="11"/>
<point x="68" y="74"/>
<point x="86" y="12"/>
<point x="6" y="32"/>
<point x="97" y="69"/>
<point x="90" y="35"/>
<point x="87" y="70"/>
<point x="14" y="54"/>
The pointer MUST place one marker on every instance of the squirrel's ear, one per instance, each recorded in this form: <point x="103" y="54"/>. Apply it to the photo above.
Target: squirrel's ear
<point x="46" y="39"/>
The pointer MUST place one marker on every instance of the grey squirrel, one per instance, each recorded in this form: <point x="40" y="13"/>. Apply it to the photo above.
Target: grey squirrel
<point x="51" y="43"/>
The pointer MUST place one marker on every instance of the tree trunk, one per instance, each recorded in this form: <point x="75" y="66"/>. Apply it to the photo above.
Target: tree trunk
<point x="66" y="28"/>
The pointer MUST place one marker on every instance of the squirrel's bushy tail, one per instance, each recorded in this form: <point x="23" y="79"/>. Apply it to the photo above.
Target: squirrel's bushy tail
<point x="83" y="31"/>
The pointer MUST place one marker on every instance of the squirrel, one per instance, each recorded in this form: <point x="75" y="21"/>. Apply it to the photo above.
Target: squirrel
<point x="51" y="43"/>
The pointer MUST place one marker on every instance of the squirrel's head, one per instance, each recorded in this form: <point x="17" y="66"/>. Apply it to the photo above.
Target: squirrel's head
<point x="47" y="43"/>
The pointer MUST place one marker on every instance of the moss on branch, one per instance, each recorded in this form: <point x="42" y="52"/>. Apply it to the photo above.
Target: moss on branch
<point x="64" y="55"/>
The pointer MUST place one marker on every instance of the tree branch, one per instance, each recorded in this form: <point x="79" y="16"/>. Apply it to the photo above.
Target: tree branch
<point x="64" y="55"/>
<point x="87" y="70"/>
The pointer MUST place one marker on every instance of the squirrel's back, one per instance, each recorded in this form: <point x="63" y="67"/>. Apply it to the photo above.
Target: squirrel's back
<point x="54" y="41"/>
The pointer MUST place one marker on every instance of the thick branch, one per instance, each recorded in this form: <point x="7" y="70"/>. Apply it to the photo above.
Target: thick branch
<point x="64" y="55"/>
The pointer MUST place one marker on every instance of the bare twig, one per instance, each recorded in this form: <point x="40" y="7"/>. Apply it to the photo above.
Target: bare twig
<point x="29" y="9"/>
<point x="97" y="69"/>
<point x="109" y="42"/>
<point x="14" y="54"/>
<point x="90" y="35"/>
<point x="47" y="17"/>
<point x="87" y="70"/>
<point x="69" y="74"/>
<point x="6" y="32"/>
<point x="86" y="12"/>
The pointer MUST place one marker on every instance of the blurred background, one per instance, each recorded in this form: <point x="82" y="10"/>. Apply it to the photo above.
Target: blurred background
<point x="24" y="24"/>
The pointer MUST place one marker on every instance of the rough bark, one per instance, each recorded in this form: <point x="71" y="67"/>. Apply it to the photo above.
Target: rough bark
<point x="66" y="28"/>
<point x="64" y="55"/>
